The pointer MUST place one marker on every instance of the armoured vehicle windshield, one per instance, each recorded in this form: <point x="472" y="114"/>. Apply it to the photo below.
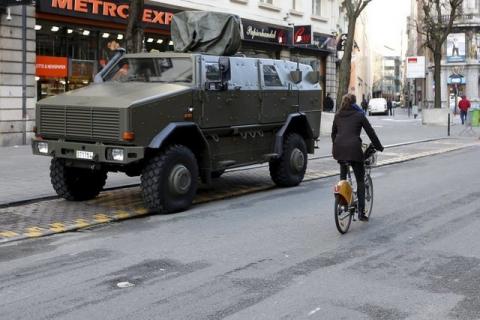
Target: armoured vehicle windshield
<point x="152" y="70"/>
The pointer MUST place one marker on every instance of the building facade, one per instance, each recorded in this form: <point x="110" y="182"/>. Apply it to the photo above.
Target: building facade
<point x="361" y="74"/>
<point x="387" y="77"/>
<point x="67" y="41"/>
<point x="460" y="65"/>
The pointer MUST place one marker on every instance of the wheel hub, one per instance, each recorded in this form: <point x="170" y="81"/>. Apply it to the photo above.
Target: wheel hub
<point x="180" y="179"/>
<point x="297" y="160"/>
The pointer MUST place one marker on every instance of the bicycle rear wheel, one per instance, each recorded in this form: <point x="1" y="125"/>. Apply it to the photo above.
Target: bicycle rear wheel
<point x="343" y="217"/>
<point x="368" y="195"/>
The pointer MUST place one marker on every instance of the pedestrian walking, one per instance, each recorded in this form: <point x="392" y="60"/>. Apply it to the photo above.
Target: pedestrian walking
<point x="389" y="107"/>
<point x="364" y="105"/>
<point x="328" y="106"/>
<point x="464" y="105"/>
<point x="415" y="111"/>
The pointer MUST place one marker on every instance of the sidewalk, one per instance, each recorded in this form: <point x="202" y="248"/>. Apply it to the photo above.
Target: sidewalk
<point x="24" y="176"/>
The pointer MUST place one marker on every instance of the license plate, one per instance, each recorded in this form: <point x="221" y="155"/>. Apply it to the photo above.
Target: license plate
<point x="84" y="154"/>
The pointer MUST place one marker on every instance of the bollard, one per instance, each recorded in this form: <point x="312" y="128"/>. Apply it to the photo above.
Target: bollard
<point x="448" y="126"/>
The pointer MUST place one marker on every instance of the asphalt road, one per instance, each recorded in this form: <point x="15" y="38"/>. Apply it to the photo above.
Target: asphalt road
<point x="270" y="255"/>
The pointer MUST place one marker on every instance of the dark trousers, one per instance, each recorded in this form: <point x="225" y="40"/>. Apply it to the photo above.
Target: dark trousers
<point x="463" y="116"/>
<point x="359" y="171"/>
<point x="390" y="112"/>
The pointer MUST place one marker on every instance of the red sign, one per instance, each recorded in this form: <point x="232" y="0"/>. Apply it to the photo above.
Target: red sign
<point x="111" y="10"/>
<point x="302" y="34"/>
<point x="52" y="67"/>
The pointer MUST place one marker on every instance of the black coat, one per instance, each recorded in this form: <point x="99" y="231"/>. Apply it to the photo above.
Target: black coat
<point x="347" y="144"/>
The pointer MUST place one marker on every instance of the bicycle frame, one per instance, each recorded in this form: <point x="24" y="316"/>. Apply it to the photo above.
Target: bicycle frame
<point x="344" y="190"/>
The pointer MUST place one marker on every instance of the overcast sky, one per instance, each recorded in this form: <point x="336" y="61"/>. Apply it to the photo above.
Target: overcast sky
<point x="387" y="20"/>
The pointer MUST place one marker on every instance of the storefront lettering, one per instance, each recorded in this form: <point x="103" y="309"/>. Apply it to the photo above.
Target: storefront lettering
<point x="154" y="16"/>
<point x="110" y="9"/>
<point x="254" y="32"/>
<point x="47" y="66"/>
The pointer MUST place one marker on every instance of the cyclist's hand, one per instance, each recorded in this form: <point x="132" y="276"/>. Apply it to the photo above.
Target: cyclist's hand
<point x="380" y="148"/>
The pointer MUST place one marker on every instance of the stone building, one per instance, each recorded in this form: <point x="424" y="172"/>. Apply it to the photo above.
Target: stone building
<point x="460" y="66"/>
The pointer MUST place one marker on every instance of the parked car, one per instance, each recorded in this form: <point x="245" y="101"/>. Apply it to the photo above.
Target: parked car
<point x="396" y="104"/>
<point x="377" y="105"/>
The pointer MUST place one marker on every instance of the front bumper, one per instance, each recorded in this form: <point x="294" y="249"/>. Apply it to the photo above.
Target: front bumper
<point x="68" y="150"/>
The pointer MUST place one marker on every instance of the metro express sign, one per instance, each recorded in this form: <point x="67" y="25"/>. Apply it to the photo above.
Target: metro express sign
<point x="111" y="10"/>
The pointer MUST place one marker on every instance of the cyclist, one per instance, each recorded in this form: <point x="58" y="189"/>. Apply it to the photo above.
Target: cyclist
<point x="347" y="145"/>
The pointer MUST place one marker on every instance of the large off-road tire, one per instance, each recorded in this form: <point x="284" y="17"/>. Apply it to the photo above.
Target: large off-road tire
<point x="289" y="169"/>
<point x="169" y="181"/>
<point x="76" y="184"/>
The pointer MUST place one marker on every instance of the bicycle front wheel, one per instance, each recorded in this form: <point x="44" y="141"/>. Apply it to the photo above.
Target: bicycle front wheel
<point x="343" y="217"/>
<point x="368" y="195"/>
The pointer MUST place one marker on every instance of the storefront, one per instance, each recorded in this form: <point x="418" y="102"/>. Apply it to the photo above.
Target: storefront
<point x="264" y="40"/>
<point x="75" y="38"/>
<point x="315" y="53"/>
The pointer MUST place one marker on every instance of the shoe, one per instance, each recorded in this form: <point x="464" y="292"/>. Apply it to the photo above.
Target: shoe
<point x="363" y="217"/>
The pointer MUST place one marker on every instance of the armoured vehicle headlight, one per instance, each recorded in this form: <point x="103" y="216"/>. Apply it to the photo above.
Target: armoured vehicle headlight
<point x="117" y="154"/>
<point x="42" y="147"/>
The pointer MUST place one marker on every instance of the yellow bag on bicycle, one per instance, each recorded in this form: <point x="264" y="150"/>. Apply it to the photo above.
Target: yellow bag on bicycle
<point x="344" y="190"/>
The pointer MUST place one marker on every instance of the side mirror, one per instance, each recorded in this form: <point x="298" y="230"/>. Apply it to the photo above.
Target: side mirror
<point x="313" y="76"/>
<point x="296" y="76"/>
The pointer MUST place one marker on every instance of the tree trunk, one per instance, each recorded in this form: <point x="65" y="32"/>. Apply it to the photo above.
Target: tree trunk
<point x="134" y="33"/>
<point x="346" y="63"/>
<point x="437" y="58"/>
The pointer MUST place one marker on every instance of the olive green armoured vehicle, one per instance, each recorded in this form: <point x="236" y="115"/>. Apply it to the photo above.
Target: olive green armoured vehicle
<point x="180" y="118"/>
<point x="177" y="119"/>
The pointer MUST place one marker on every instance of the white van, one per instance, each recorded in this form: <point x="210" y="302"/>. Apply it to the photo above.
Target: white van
<point x="377" y="105"/>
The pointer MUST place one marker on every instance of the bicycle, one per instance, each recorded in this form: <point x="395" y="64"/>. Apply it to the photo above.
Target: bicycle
<point x="346" y="202"/>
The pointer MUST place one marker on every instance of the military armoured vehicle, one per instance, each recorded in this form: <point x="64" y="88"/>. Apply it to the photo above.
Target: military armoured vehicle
<point x="177" y="118"/>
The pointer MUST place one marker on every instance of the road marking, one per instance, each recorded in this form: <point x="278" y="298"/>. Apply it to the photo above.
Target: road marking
<point x="81" y="223"/>
<point x="141" y="211"/>
<point x="8" y="234"/>
<point x="101" y="217"/>
<point x="313" y="311"/>
<point x="33" y="232"/>
<point x="120" y="214"/>
<point x="57" y="227"/>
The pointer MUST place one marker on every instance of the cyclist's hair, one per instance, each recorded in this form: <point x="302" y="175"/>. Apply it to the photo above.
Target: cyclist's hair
<point x="353" y="98"/>
<point x="346" y="102"/>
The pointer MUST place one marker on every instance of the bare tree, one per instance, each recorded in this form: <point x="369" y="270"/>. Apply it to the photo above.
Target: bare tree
<point x="134" y="33"/>
<point x="353" y="8"/>
<point x="435" y="25"/>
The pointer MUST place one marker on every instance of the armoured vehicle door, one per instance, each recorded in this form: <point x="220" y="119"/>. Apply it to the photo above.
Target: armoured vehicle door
<point x="279" y="97"/>
<point x="230" y="92"/>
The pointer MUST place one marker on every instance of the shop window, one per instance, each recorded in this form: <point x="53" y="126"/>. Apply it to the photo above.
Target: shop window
<point x="270" y="76"/>
<point x="317" y="8"/>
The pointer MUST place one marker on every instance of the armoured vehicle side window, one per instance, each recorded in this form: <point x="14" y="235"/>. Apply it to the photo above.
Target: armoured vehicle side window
<point x="152" y="70"/>
<point x="270" y="76"/>
<point x="212" y="71"/>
